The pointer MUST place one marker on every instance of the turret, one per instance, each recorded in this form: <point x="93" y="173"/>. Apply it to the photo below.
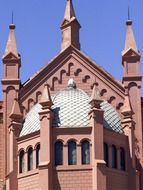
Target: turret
<point x="10" y="85"/>
<point x="132" y="83"/>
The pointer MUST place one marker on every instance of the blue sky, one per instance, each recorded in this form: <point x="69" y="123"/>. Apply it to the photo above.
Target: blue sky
<point x="38" y="32"/>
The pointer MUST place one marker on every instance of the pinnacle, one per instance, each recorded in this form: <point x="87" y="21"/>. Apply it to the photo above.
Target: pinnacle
<point x="95" y="97"/>
<point x="69" y="12"/>
<point x="11" y="46"/>
<point x="46" y="99"/>
<point x="16" y="111"/>
<point x="130" y="42"/>
<point x="127" y="109"/>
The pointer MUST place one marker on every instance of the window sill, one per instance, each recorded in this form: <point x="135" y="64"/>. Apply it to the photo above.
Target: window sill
<point x="73" y="167"/>
<point x="28" y="173"/>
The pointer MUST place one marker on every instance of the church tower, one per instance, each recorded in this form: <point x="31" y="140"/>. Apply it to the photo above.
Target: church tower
<point x="11" y="85"/>
<point x="132" y="83"/>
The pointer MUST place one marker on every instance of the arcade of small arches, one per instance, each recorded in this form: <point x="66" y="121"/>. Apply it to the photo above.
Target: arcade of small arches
<point x="115" y="158"/>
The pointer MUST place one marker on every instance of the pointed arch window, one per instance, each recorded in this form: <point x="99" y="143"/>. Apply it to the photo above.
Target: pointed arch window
<point x="30" y="159"/>
<point x="106" y="157"/>
<point x="114" y="156"/>
<point x="85" y="152"/>
<point x="58" y="153"/>
<point x="37" y="155"/>
<point x="72" y="154"/>
<point x="21" y="162"/>
<point x="122" y="159"/>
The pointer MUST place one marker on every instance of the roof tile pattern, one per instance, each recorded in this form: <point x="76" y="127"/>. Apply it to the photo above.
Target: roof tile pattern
<point x="71" y="108"/>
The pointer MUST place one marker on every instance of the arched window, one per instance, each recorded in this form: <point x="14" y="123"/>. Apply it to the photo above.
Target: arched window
<point x="85" y="152"/>
<point x="114" y="156"/>
<point x="58" y="153"/>
<point x="72" y="158"/>
<point x="106" y="154"/>
<point x="21" y="162"/>
<point x="37" y="155"/>
<point x="30" y="159"/>
<point x="122" y="159"/>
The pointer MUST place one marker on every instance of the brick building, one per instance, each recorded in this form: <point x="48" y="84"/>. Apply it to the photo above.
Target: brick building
<point x="71" y="126"/>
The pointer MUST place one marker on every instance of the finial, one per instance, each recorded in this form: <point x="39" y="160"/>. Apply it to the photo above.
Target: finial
<point x="129" y="21"/>
<point x="71" y="83"/>
<point x="12" y="18"/>
<point x="128" y="12"/>
<point x="12" y="26"/>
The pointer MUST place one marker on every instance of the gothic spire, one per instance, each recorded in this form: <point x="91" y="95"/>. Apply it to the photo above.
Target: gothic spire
<point x="11" y="46"/>
<point x="70" y="28"/>
<point x="130" y="42"/>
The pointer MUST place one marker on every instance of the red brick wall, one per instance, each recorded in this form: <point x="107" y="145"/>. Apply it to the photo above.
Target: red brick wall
<point x="73" y="180"/>
<point x="117" y="180"/>
<point x="29" y="182"/>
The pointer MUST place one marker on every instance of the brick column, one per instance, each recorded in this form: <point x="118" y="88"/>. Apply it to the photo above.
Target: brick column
<point x="45" y="166"/>
<point x="98" y="163"/>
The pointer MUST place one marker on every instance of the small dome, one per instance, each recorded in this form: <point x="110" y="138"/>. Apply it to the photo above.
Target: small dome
<point x="70" y="109"/>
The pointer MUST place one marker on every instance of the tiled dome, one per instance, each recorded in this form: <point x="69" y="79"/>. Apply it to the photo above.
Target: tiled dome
<point x="71" y="108"/>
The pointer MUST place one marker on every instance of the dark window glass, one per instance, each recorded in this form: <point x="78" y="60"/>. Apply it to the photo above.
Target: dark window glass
<point x="37" y="155"/>
<point x="72" y="158"/>
<point x="85" y="152"/>
<point x="114" y="157"/>
<point x="58" y="153"/>
<point x="30" y="159"/>
<point x="122" y="159"/>
<point x="21" y="162"/>
<point x="106" y="154"/>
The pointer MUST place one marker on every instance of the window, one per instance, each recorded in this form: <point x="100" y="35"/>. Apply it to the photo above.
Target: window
<point x="106" y="154"/>
<point x="72" y="158"/>
<point x="37" y="155"/>
<point x="21" y="162"/>
<point x="122" y="159"/>
<point x="30" y="159"/>
<point x="58" y="153"/>
<point x="114" y="156"/>
<point x="85" y="152"/>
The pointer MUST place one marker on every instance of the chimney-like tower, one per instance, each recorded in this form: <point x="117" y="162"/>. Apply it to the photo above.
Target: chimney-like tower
<point x="70" y="28"/>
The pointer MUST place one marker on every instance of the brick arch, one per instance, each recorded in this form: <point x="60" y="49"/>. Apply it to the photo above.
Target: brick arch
<point x="70" y="65"/>
<point x="86" y="78"/>
<point x="31" y="103"/>
<point x="38" y="95"/>
<point x="62" y="72"/>
<point x="54" y="81"/>
<point x="10" y="88"/>
<point x="77" y="72"/>
<point x="132" y="84"/>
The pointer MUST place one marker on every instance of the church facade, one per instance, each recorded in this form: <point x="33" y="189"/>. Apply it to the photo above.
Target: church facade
<point x="71" y="126"/>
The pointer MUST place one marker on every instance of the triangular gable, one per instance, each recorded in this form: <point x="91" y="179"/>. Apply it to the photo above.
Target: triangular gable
<point x="11" y="56"/>
<point x="130" y="52"/>
<point x="71" y="63"/>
